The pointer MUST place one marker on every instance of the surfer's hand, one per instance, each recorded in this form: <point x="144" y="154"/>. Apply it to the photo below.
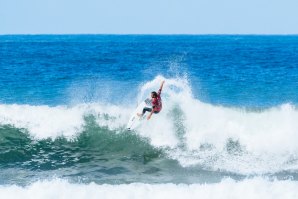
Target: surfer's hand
<point x="149" y="116"/>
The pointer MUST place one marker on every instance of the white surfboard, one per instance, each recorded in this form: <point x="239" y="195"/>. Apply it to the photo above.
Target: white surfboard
<point x="135" y="120"/>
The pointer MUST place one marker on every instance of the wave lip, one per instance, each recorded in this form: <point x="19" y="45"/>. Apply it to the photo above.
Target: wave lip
<point x="51" y="122"/>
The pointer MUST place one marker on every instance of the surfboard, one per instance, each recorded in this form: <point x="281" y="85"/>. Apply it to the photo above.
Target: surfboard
<point x="135" y="120"/>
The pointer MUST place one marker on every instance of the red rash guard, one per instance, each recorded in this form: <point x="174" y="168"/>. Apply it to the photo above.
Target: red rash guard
<point x="156" y="102"/>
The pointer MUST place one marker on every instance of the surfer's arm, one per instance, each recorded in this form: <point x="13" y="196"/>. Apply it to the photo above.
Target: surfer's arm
<point x="160" y="89"/>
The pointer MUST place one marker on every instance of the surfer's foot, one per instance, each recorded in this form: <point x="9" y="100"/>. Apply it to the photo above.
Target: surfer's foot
<point x="139" y="114"/>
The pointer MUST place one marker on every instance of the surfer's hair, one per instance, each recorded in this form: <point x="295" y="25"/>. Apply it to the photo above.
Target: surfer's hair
<point x="154" y="94"/>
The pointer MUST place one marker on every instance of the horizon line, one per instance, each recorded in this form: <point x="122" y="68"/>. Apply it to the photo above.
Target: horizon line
<point x="151" y="34"/>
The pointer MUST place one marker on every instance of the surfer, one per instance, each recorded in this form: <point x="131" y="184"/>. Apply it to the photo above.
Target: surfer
<point x="156" y="103"/>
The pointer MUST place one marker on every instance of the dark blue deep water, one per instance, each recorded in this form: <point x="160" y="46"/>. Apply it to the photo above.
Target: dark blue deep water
<point x="229" y="70"/>
<point x="65" y="100"/>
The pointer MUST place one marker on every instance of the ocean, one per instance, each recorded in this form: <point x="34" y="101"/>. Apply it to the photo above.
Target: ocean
<point x="228" y="127"/>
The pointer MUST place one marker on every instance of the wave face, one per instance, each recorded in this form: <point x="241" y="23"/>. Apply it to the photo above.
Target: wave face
<point x="187" y="137"/>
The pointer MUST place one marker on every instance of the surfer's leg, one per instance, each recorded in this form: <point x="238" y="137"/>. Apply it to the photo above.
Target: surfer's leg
<point x="144" y="111"/>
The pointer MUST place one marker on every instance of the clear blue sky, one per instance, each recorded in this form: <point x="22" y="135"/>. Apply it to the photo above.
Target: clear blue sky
<point x="149" y="16"/>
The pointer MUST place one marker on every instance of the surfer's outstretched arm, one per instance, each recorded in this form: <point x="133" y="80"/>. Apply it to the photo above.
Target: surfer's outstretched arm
<point x="160" y="88"/>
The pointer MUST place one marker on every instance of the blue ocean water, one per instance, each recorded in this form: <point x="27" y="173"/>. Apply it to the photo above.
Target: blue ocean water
<point x="229" y="70"/>
<point x="230" y="109"/>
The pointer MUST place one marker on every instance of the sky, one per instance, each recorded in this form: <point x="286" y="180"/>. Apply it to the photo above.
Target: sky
<point x="148" y="17"/>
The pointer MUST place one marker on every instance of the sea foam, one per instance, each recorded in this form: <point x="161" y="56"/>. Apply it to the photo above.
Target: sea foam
<point x="227" y="188"/>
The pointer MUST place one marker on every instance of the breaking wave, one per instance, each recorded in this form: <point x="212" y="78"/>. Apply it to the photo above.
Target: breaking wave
<point x="233" y="139"/>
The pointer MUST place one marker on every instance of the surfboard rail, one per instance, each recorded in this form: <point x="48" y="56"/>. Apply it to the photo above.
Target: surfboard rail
<point x="136" y="120"/>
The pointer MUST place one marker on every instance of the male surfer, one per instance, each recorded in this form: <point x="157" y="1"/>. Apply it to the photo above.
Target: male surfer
<point x="156" y="103"/>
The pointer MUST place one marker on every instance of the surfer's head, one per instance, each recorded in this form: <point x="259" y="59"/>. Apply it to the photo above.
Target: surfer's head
<point x="153" y="94"/>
